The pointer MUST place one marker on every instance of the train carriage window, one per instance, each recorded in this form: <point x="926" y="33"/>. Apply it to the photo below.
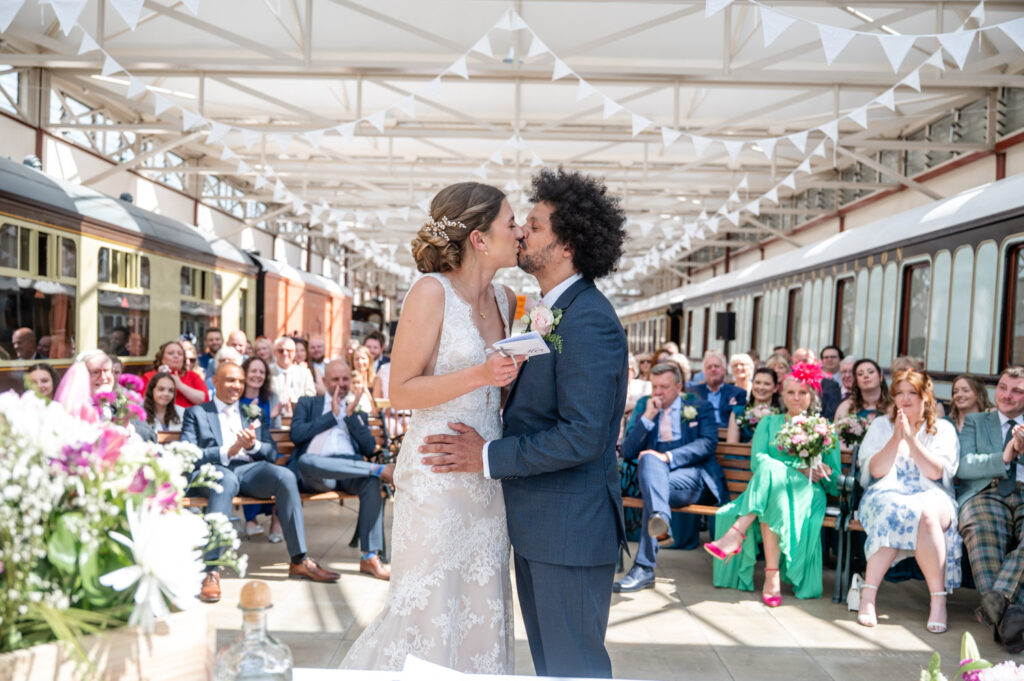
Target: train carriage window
<point x="43" y="257"/>
<point x="243" y="308"/>
<point x="874" y="312"/>
<point x="186" y="281"/>
<point x="846" y="308"/>
<point x="936" y="360"/>
<point x="218" y="287"/>
<point x="705" y="329"/>
<point x="68" y="258"/>
<point x="888" y="325"/>
<point x="25" y="250"/>
<point x="45" y="306"/>
<point x="9" y="246"/>
<point x="1013" y="338"/>
<point x="755" y="323"/>
<point x="959" y="335"/>
<point x="983" y="309"/>
<point x="914" y="309"/>
<point x="793" y="317"/>
<point x="689" y="333"/>
<point x="144" y="271"/>
<point x="123" y="323"/>
<point x="103" y="265"/>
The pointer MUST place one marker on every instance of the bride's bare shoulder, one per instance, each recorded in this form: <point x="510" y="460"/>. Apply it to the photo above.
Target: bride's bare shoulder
<point x="427" y="290"/>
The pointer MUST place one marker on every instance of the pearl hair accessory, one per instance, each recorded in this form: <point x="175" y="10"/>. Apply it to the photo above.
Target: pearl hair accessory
<point x="438" y="227"/>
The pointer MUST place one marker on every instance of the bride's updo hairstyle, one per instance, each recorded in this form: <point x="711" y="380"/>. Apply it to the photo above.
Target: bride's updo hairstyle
<point x="457" y="211"/>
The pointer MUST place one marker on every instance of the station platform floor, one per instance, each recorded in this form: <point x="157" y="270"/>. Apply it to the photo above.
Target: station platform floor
<point x="684" y="628"/>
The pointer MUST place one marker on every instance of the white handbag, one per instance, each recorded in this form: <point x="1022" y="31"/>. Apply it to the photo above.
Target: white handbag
<point x="853" y="596"/>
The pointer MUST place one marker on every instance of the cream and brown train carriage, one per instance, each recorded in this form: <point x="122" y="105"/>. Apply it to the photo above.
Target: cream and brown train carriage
<point x="84" y="270"/>
<point x="943" y="282"/>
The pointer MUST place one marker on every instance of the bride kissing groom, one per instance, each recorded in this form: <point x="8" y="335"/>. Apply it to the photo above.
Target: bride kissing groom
<point x="541" y="474"/>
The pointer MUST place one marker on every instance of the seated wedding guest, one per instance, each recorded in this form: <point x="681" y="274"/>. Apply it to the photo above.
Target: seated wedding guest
<point x="991" y="507"/>
<point x="671" y="346"/>
<point x="214" y="340"/>
<point x="362" y="364"/>
<point x="116" y="367"/>
<point x="780" y="365"/>
<point x="683" y="363"/>
<point x="89" y="374"/>
<point x="302" y="359"/>
<point x="238" y="341"/>
<point x="317" y="355"/>
<point x="720" y="395"/>
<point x="789" y="507"/>
<point x="381" y="383"/>
<point x="350" y="347"/>
<point x="754" y="356"/>
<point x="136" y="345"/>
<point x="290" y="381"/>
<point x="660" y="355"/>
<point x="42" y="378"/>
<point x="674" y="441"/>
<point x="258" y="390"/>
<point x="763" y="400"/>
<point x="360" y="396"/>
<point x="375" y="344"/>
<point x="44" y="346"/>
<point x="170" y="359"/>
<point x="244" y="455"/>
<point x="831" y="394"/>
<point x="969" y="397"/>
<point x="904" y="362"/>
<point x="24" y="342"/>
<point x="742" y="369"/>
<point x="161" y="411"/>
<point x="192" y="357"/>
<point x="332" y="443"/>
<point x="846" y="379"/>
<point x="831" y="356"/>
<point x="784" y="351"/>
<point x="907" y="462"/>
<point x="870" y="395"/>
<point x="644" y="365"/>
<point x="225" y="354"/>
<point x="264" y="349"/>
<point x="637" y="387"/>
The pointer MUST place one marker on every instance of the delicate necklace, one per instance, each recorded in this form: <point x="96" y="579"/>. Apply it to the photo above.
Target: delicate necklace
<point x="483" y="315"/>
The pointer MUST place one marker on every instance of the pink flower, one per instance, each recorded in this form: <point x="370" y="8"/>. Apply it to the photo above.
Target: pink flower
<point x="139" y="483"/>
<point x="165" y="499"/>
<point x="131" y="381"/>
<point x="799" y="438"/>
<point x="821" y="429"/>
<point x="541" y="320"/>
<point x="109" y="445"/>
<point x="1" y="567"/>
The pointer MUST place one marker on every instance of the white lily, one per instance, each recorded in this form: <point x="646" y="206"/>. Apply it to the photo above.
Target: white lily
<point x="167" y="549"/>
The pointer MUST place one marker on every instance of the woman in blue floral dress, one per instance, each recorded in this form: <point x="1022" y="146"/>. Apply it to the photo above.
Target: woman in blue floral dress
<point x="907" y="462"/>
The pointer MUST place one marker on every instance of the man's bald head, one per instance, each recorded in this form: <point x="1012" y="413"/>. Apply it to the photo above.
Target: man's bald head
<point x="338" y="376"/>
<point x="229" y="382"/>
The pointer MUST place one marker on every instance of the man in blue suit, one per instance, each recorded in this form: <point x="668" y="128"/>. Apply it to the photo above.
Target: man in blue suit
<point x="556" y="460"/>
<point x="675" y="439"/>
<point x="721" y="395"/>
<point x="244" y="454"/>
<point x="332" y="443"/>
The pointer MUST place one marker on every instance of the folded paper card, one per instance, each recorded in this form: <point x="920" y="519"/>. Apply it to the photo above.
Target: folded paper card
<point x="529" y="344"/>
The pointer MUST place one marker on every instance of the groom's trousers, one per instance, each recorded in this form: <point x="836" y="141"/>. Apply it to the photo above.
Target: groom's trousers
<point x="565" y="612"/>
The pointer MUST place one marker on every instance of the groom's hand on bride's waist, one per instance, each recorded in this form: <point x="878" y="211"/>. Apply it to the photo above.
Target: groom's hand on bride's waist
<point x="461" y="453"/>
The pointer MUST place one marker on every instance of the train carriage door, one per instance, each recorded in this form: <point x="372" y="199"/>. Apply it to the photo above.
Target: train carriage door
<point x="1013" y="331"/>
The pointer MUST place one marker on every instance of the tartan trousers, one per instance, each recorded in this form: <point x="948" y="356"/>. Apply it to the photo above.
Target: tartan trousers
<point x="993" y="530"/>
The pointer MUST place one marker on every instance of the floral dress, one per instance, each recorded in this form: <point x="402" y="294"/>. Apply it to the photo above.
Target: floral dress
<point x="890" y="509"/>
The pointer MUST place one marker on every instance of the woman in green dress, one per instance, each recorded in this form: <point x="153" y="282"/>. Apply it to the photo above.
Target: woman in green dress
<point x="789" y="508"/>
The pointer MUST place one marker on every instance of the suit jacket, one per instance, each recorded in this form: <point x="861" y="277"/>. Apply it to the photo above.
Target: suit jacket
<point x="201" y="427"/>
<point x="981" y="454"/>
<point x="309" y="420"/>
<point x="831" y="396"/>
<point x="557" y="459"/>
<point x="730" y="395"/>
<point x="699" y="437"/>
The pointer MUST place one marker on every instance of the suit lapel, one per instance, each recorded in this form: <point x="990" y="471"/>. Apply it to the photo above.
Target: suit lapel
<point x="214" y="417"/>
<point x="995" y="431"/>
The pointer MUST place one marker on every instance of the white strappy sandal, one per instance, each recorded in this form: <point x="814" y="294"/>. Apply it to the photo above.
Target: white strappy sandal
<point x="936" y="627"/>
<point x="864" y="619"/>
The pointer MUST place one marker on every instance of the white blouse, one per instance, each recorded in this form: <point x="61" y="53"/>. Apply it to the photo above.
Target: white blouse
<point x="944" y="445"/>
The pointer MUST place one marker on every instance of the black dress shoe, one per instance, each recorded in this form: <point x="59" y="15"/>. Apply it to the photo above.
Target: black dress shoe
<point x="993" y="605"/>
<point x="1011" y="629"/>
<point x="638" y="577"/>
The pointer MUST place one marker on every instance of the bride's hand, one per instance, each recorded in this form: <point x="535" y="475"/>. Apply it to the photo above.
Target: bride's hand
<point x="500" y="370"/>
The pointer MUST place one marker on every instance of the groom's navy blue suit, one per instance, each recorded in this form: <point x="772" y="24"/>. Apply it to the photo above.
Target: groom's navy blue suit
<point x="557" y="465"/>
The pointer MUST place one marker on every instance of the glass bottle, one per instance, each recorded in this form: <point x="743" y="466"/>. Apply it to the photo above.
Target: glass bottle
<point x="256" y="655"/>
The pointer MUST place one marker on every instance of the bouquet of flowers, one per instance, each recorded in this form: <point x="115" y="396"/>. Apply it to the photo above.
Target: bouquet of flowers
<point x="92" y="531"/>
<point x="806" y="437"/>
<point x="973" y="667"/>
<point x="851" y="429"/>
<point x="752" y="415"/>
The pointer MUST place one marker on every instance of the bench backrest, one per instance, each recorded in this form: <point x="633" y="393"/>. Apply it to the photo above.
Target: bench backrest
<point x="735" y="462"/>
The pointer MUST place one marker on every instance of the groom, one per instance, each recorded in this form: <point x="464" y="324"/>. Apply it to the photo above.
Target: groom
<point x="556" y="460"/>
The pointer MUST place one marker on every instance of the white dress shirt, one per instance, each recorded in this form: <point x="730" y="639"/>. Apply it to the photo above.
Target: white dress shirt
<point x="1004" y="424"/>
<point x="334" y="441"/>
<point x="547" y="300"/>
<point x="230" y="416"/>
<point x="292" y="383"/>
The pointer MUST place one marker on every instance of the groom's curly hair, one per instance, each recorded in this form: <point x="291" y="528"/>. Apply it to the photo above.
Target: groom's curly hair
<point x="586" y="219"/>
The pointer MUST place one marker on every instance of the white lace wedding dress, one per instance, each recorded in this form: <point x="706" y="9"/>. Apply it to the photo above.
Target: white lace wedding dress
<point x="450" y="598"/>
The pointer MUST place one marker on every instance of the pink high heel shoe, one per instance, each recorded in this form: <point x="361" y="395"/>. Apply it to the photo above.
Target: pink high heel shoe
<point x="718" y="553"/>
<point x="771" y="601"/>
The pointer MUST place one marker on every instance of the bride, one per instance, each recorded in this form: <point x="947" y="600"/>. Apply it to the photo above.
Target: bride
<point x="450" y="598"/>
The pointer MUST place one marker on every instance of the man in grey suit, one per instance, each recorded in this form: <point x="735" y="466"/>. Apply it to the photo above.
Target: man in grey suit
<point x="991" y="517"/>
<point x="332" y="443"/>
<point x="244" y="454"/>
<point x="556" y="460"/>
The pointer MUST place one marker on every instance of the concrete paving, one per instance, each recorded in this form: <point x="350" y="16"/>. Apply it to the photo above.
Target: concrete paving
<point x="684" y="628"/>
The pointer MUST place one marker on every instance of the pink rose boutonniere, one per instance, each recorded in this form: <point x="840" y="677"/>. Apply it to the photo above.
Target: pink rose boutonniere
<point x="544" y="321"/>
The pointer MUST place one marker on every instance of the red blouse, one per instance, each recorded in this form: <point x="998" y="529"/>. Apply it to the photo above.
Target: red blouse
<point x="189" y="378"/>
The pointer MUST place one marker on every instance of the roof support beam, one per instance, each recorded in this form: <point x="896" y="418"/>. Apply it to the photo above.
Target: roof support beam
<point x="155" y="151"/>
<point x="902" y="179"/>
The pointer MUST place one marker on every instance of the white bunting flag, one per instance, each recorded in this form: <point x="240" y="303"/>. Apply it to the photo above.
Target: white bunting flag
<point x="346" y="130"/>
<point x="376" y="119"/>
<point x="936" y="60"/>
<point x="424" y="205"/>
<point x="537" y="47"/>
<point x="560" y="70"/>
<point x="161" y="104"/>
<point x="227" y="154"/>
<point x="859" y="116"/>
<point x="192" y="5"/>
<point x="645" y="228"/>
<point x="406" y="105"/>
<point x="978" y="13"/>
<point x="260" y="182"/>
<point x="789" y="181"/>
<point x="772" y="195"/>
<point x="190" y="119"/>
<point x="734" y="147"/>
<point x="703" y="214"/>
<point x="712" y="225"/>
<point x="896" y="48"/>
<point x="888" y="99"/>
<point x="511" y="186"/>
<point x="505" y="22"/>
<point x="774" y="24"/>
<point x="819" y="150"/>
<point x="536" y="161"/>
<point x="834" y="40"/>
<point x="250" y="137"/>
<point x="315" y="137"/>
<point x="403" y="213"/>
<point x="459" y="68"/>
<point x="1014" y="30"/>
<point x="611" y="107"/>
<point x="685" y="241"/>
<point x="515" y="21"/>
<point x="733" y="217"/>
<point x="754" y="207"/>
<point x="110" y="66"/>
<point x="483" y="46"/>
<point x="392" y="248"/>
<point x="8" y="10"/>
<point x="280" y="191"/>
<point x="913" y="80"/>
<point x="516" y="142"/>
<point x="640" y="124"/>
<point x="768" y="146"/>
<point x="67" y="12"/>
<point x="805" y="166"/>
<point x="282" y="140"/>
<point x="700" y="144"/>
<point x="799" y="140"/>
<point x="383" y="216"/>
<point x="129" y="11"/>
<point x="136" y="87"/>
<point x="243" y="168"/>
<point x="361" y="216"/>
<point x="432" y="89"/>
<point x="585" y="90"/>
<point x="87" y="44"/>
<point x="268" y="171"/>
<point x="669" y="136"/>
<point x="714" y="6"/>
<point x="733" y="198"/>
<point x="481" y="171"/>
<point x="497" y="158"/>
<point x="958" y="44"/>
<point x="745" y="182"/>
<point x="831" y="130"/>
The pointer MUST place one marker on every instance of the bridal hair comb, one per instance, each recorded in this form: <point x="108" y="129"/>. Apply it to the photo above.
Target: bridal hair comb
<point x="438" y="227"/>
